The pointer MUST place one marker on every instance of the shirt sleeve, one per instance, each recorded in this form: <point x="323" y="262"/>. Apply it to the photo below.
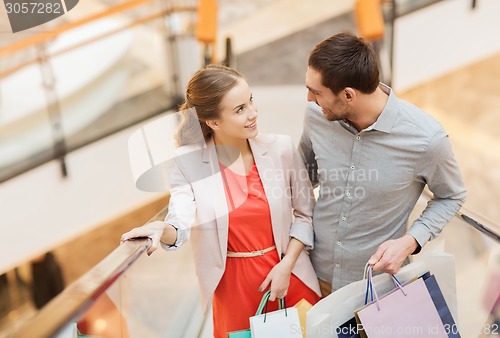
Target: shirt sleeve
<point x="307" y="152"/>
<point x="439" y="170"/>
<point x="181" y="208"/>
<point x="302" y="199"/>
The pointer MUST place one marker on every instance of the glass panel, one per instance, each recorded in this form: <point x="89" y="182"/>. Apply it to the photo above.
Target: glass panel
<point x="477" y="266"/>
<point x="99" y="78"/>
<point x="155" y="297"/>
<point x="26" y="289"/>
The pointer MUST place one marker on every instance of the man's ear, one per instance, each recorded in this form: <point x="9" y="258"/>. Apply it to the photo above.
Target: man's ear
<point x="214" y="124"/>
<point x="349" y="94"/>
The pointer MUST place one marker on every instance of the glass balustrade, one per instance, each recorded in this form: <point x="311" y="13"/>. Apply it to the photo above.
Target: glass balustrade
<point x="131" y="294"/>
<point x="477" y="267"/>
<point x="97" y="75"/>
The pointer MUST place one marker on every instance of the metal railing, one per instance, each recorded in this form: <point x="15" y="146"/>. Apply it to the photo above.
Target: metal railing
<point x="462" y="215"/>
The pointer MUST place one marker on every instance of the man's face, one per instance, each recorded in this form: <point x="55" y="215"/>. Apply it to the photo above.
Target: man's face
<point x="333" y="107"/>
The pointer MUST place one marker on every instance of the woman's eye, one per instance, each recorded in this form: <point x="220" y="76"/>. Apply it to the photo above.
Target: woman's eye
<point x="240" y="109"/>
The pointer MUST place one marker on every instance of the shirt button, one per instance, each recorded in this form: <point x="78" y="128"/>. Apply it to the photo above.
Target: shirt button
<point x="358" y="137"/>
<point x="344" y="218"/>
<point x="348" y="193"/>
<point x="339" y="243"/>
<point x="352" y="167"/>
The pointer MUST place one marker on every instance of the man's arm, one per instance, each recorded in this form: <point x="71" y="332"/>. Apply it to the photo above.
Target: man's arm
<point x="439" y="170"/>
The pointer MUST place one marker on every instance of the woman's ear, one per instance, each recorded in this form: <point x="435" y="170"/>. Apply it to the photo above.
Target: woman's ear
<point x="214" y="124"/>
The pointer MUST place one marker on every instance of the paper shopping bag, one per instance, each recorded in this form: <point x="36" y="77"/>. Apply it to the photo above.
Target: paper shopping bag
<point x="302" y="307"/>
<point x="406" y="311"/>
<point x="283" y="323"/>
<point x="240" y="334"/>
<point x="349" y="329"/>
<point x="328" y="318"/>
<point x="441" y="305"/>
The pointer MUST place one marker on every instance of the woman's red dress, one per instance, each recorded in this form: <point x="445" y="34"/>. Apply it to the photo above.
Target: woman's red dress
<point x="237" y="297"/>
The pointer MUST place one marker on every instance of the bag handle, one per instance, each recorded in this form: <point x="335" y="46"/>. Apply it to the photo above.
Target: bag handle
<point x="368" y="275"/>
<point x="263" y="305"/>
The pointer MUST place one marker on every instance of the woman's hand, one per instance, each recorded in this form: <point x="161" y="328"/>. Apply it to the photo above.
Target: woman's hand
<point x="153" y="230"/>
<point x="279" y="277"/>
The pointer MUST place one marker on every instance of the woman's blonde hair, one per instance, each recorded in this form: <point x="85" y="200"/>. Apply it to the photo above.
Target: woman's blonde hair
<point x="204" y="95"/>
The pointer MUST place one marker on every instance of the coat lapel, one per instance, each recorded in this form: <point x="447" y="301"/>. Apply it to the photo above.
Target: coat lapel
<point x="272" y="188"/>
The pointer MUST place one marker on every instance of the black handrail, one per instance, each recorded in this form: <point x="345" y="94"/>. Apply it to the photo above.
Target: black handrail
<point x="471" y="221"/>
<point x="478" y="226"/>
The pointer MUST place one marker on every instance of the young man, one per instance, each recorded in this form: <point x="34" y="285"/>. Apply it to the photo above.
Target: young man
<point x="372" y="155"/>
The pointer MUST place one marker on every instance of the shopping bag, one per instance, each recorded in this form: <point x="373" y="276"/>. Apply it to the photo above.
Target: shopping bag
<point x="406" y="311"/>
<point x="329" y="318"/>
<point x="303" y="306"/>
<point x="441" y="306"/>
<point x="283" y="323"/>
<point x="349" y="329"/>
<point x="240" y="334"/>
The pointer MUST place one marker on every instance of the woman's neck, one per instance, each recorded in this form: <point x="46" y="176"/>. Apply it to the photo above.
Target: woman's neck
<point x="235" y="154"/>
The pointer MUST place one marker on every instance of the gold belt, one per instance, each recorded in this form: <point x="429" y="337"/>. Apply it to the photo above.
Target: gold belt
<point x="251" y="253"/>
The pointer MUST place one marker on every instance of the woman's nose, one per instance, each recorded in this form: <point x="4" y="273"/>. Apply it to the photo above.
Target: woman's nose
<point x="254" y="113"/>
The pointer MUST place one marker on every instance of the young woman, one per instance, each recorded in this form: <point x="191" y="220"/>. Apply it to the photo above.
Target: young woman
<point x="244" y="201"/>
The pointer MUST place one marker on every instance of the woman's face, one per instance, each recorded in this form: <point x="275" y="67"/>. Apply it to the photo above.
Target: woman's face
<point x="238" y="116"/>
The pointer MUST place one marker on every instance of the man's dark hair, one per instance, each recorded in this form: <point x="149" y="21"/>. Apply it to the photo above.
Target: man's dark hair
<point x="345" y="60"/>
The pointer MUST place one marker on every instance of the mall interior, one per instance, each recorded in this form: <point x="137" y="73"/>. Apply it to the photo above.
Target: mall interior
<point x="79" y="100"/>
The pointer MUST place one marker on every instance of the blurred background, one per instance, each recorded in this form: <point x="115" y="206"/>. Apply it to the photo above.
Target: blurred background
<point x="74" y="90"/>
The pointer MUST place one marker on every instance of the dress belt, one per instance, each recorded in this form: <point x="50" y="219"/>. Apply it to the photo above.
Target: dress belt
<point x="251" y="253"/>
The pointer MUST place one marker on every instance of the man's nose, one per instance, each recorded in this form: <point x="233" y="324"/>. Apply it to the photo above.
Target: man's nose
<point x="311" y="97"/>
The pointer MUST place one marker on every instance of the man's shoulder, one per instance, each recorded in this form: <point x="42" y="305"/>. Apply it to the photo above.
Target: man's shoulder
<point x="419" y="118"/>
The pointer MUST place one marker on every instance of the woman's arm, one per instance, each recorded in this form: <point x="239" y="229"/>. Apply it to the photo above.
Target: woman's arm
<point x="302" y="199"/>
<point x="175" y="230"/>
<point x="279" y="276"/>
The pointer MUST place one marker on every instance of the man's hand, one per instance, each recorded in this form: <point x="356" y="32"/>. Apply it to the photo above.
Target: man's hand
<point x="391" y="254"/>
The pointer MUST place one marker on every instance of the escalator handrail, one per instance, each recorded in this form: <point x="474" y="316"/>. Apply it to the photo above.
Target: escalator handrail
<point x="470" y="221"/>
